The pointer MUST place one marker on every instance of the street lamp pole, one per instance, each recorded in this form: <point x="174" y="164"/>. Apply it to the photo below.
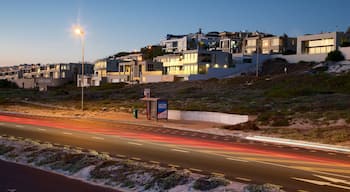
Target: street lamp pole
<point x="82" y="71"/>
<point x="79" y="31"/>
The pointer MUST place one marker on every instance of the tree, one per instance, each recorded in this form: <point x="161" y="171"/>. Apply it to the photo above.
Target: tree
<point x="335" y="55"/>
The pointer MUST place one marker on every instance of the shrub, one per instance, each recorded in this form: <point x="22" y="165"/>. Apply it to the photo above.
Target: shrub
<point x="7" y="84"/>
<point x="5" y="149"/>
<point x="208" y="183"/>
<point x="335" y="55"/>
<point x="263" y="188"/>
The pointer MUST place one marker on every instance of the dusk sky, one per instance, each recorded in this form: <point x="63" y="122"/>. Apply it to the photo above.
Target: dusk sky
<point x="40" y="31"/>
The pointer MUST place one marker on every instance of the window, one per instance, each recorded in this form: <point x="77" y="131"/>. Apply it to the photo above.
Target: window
<point x="265" y="43"/>
<point x="251" y="42"/>
<point x="276" y="42"/>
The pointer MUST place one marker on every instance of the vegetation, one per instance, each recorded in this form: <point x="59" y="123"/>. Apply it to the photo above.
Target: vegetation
<point x="7" y="84"/>
<point x="335" y="56"/>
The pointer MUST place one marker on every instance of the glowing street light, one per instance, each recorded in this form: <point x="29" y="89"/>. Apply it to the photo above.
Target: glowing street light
<point x="80" y="32"/>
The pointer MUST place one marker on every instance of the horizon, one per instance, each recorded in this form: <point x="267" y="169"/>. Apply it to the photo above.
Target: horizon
<point x="41" y="32"/>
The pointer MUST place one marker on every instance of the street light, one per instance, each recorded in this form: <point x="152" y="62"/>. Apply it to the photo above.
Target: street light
<point x="80" y="32"/>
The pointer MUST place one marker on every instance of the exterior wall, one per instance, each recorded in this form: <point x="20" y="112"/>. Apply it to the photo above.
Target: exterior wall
<point x="346" y="52"/>
<point x="181" y="44"/>
<point x="332" y="44"/>
<point x="214" y="117"/>
<point x="194" y="62"/>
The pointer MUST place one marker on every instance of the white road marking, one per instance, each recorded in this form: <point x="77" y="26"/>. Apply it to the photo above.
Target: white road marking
<point x="1" y="123"/>
<point x="334" y="180"/>
<point x="41" y="129"/>
<point x="121" y="156"/>
<point x="234" y="159"/>
<point x="98" y="138"/>
<point x="196" y="170"/>
<point x="19" y="126"/>
<point x="243" y="179"/>
<point x="179" y="150"/>
<point x="218" y="174"/>
<point x="300" y="190"/>
<point x="155" y="162"/>
<point x="133" y="143"/>
<point x="67" y="133"/>
<point x="136" y="158"/>
<point x="298" y="143"/>
<point x="172" y="165"/>
<point x="331" y="153"/>
<point x="322" y="183"/>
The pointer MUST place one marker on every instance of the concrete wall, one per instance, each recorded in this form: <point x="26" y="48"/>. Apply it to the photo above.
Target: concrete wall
<point x="346" y="52"/>
<point x="214" y="117"/>
<point x="297" y="58"/>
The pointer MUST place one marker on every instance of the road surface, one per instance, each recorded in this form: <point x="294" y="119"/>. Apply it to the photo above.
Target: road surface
<point x="18" y="178"/>
<point x="295" y="169"/>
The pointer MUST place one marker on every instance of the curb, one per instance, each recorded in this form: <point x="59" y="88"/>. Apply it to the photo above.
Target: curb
<point x="300" y="143"/>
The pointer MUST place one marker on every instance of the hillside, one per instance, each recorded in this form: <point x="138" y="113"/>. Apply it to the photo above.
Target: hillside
<point x="298" y="100"/>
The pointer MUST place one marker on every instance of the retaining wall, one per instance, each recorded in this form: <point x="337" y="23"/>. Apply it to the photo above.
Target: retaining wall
<point x="224" y="118"/>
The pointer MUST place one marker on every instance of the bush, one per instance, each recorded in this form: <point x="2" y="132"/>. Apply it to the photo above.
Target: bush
<point x="263" y="188"/>
<point x="7" y="84"/>
<point x="208" y="183"/>
<point x="335" y="55"/>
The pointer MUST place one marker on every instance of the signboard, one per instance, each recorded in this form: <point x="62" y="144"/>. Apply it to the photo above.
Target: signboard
<point x="162" y="109"/>
<point x="147" y="93"/>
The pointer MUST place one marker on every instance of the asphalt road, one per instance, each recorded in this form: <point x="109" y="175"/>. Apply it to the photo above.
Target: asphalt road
<point x="296" y="169"/>
<point x="20" y="178"/>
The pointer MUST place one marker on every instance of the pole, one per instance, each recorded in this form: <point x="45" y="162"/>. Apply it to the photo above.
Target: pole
<point x="82" y="72"/>
<point x="257" y="56"/>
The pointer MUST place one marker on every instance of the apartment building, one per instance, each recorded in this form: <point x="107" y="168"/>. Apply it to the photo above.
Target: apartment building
<point x="43" y="76"/>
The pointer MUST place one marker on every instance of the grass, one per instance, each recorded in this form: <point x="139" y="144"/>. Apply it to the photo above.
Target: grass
<point x="277" y="101"/>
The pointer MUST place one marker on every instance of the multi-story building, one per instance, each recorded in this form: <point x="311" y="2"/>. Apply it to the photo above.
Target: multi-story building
<point x="232" y="42"/>
<point x="319" y="43"/>
<point x="278" y="45"/>
<point x="129" y="69"/>
<point x="193" y="62"/>
<point x="192" y="41"/>
<point x="43" y="76"/>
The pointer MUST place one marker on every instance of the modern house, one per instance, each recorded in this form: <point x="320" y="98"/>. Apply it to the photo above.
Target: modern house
<point x="278" y="45"/>
<point x="232" y="42"/>
<point x="193" y="62"/>
<point x="319" y="43"/>
<point x="192" y="41"/>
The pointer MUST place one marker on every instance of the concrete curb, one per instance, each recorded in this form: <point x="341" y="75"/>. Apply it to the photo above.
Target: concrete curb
<point x="300" y="143"/>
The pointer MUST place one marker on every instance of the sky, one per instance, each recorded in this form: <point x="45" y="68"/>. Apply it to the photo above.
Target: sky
<point x="40" y="31"/>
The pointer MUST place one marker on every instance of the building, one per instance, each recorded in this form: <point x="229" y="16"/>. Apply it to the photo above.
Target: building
<point x="192" y="41"/>
<point x="175" y="43"/>
<point x="129" y="69"/>
<point x="193" y="62"/>
<point x="232" y="42"/>
<point x="278" y="45"/>
<point x="43" y="76"/>
<point x="319" y="43"/>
